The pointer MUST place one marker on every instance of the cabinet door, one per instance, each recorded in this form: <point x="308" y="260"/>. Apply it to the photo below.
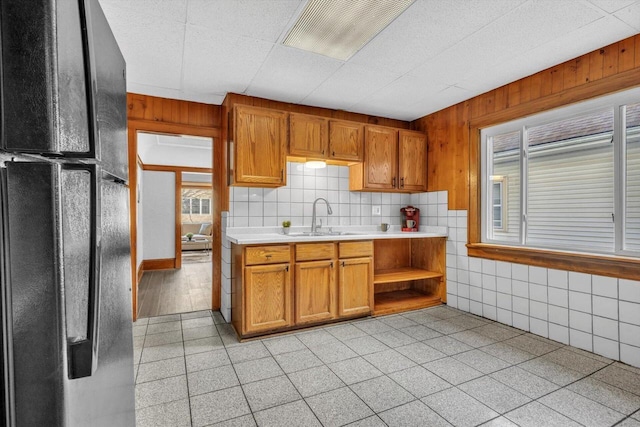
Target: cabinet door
<point x="381" y="158"/>
<point x="268" y="304"/>
<point x="412" y="153"/>
<point x="356" y="286"/>
<point x="308" y="135"/>
<point x="345" y="140"/>
<point x="260" y="142"/>
<point x="315" y="291"/>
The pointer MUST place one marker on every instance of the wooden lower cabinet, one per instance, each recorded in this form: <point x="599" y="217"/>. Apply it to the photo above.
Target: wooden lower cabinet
<point x="268" y="297"/>
<point x="315" y="290"/>
<point x="356" y="286"/>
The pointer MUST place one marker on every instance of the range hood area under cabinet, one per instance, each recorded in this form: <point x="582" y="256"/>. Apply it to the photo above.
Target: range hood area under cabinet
<point x="381" y="158"/>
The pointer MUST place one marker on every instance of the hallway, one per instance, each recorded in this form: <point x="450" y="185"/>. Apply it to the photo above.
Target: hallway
<point x="175" y="291"/>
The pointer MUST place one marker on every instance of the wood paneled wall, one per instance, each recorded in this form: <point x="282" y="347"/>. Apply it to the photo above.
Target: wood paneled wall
<point x="608" y="69"/>
<point x="145" y="107"/>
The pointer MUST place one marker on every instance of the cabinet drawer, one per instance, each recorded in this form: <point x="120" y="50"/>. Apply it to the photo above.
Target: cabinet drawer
<point x="356" y="249"/>
<point x="267" y="254"/>
<point x="315" y="251"/>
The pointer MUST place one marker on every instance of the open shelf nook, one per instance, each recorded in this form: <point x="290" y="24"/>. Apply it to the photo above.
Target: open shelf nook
<point x="408" y="274"/>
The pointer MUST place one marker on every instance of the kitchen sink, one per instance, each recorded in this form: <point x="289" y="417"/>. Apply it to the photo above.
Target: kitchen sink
<point x="323" y="233"/>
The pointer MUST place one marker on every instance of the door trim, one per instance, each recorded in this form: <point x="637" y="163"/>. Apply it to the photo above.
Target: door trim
<point x="135" y="126"/>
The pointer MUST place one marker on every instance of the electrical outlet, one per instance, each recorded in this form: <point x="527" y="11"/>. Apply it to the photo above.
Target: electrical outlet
<point x="376" y="210"/>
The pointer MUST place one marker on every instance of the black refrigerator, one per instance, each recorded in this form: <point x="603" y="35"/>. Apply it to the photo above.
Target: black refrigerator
<point x="67" y="350"/>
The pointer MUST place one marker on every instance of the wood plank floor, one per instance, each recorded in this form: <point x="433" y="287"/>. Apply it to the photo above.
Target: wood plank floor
<point x="175" y="291"/>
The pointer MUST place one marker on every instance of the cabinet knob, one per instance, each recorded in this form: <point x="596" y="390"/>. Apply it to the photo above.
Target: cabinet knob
<point x="343" y="263"/>
<point x="393" y="182"/>
<point x="333" y="153"/>
<point x="402" y="182"/>
<point x="331" y="264"/>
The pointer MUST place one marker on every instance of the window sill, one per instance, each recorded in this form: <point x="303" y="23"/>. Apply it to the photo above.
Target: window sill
<point x="603" y="265"/>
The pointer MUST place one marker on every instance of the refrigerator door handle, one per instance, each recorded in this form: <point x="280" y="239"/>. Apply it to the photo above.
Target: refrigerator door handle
<point x="83" y="351"/>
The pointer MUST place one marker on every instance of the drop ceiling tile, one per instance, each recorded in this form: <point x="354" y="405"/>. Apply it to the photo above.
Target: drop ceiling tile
<point x="349" y="85"/>
<point x="218" y="62"/>
<point x="260" y="19"/>
<point x="174" y="10"/>
<point x="611" y="6"/>
<point x="398" y="112"/>
<point x="630" y="15"/>
<point x="531" y="25"/>
<point x="583" y="40"/>
<point x="443" y="99"/>
<point x="427" y="28"/>
<point x="399" y="96"/>
<point x="290" y="75"/>
<point x="152" y="47"/>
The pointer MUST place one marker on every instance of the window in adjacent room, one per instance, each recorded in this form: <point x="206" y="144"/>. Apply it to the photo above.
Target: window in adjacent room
<point x="196" y="205"/>
<point x="567" y="179"/>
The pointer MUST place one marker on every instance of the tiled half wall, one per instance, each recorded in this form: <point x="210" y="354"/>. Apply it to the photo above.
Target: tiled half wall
<point x="595" y="313"/>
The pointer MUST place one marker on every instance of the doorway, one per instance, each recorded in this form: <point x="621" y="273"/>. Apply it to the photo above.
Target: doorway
<point x="196" y="217"/>
<point x="174" y="223"/>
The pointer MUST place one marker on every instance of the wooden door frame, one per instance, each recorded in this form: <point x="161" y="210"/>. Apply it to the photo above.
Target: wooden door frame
<point x="150" y="126"/>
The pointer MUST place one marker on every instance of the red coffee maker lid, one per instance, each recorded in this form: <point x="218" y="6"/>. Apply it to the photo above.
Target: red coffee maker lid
<point x="409" y="209"/>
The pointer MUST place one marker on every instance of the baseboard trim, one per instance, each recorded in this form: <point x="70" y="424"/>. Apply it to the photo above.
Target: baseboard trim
<point x="158" y="264"/>
<point x="140" y="271"/>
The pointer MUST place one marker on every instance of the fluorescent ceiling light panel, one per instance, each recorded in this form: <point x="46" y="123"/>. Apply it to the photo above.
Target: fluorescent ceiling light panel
<point x="339" y="28"/>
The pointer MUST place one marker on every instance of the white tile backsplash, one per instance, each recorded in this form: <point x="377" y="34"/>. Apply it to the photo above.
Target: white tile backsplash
<point x="268" y="207"/>
<point x="558" y="278"/>
<point x="580" y="301"/>
<point x="605" y="286"/>
<point x="580" y="321"/>
<point x="605" y="328"/>
<point x="629" y="290"/>
<point x="630" y="334"/>
<point x="580" y="282"/>
<point x="605" y="307"/>
<point x="630" y="312"/>
<point x="559" y="315"/>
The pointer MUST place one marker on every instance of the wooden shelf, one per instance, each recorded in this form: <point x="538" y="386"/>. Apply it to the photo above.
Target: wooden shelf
<point x="403" y="300"/>
<point x="403" y="275"/>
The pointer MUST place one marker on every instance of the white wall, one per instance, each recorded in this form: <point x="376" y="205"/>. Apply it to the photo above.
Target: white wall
<point x="139" y="219"/>
<point x="158" y="207"/>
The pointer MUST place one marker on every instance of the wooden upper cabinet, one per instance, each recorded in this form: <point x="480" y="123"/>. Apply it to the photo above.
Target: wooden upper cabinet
<point x="259" y="153"/>
<point x="308" y="135"/>
<point x="380" y="158"/>
<point x="346" y="140"/>
<point x="412" y="161"/>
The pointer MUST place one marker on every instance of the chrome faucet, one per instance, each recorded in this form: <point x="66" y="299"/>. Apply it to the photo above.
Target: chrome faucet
<point x="314" y="227"/>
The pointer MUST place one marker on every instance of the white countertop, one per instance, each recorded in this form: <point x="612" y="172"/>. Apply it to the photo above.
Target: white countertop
<point x="258" y="235"/>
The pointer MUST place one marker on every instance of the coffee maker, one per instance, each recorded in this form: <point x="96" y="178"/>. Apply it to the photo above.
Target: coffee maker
<point x="410" y="218"/>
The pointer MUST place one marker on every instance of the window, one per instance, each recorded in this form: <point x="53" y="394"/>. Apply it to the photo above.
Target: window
<point x="566" y="179"/>
<point x="196" y="204"/>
